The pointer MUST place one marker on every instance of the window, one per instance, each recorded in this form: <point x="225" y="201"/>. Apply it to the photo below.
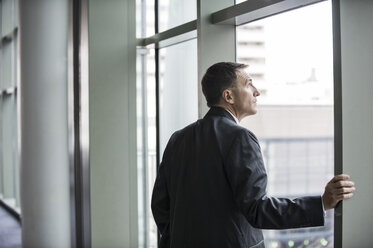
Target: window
<point x="178" y="104"/>
<point x="292" y="66"/>
<point x="173" y="13"/>
<point x="9" y="166"/>
<point x="146" y="144"/>
<point x="177" y="85"/>
<point x="166" y="79"/>
<point x="290" y="63"/>
<point x="144" y="18"/>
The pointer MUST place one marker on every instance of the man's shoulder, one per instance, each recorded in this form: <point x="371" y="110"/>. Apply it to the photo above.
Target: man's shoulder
<point x="185" y="130"/>
<point x="221" y="126"/>
<point x="235" y="129"/>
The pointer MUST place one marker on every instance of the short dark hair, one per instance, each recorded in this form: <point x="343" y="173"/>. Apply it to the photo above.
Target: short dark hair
<point x="219" y="77"/>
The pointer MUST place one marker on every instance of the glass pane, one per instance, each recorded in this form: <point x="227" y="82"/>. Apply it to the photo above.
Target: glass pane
<point x="178" y="89"/>
<point x="9" y="171"/>
<point x="8" y="20"/>
<point x="16" y="6"/>
<point x="291" y="61"/>
<point x="8" y="150"/>
<point x="290" y="58"/>
<point x="15" y="153"/>
<point x="146" y="144"/>
<point x="173" y="13"/>
<point x="1" y="149"/>
<point x="145" y="18"/>
<point x="7" y="68"/>
<point x="178" y="107"/>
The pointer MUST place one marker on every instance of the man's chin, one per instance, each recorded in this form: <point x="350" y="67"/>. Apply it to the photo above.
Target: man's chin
<point x="253" y="112"/>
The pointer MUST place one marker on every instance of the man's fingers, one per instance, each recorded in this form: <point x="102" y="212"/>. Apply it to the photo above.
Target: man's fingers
<point x="340" y="184"/>
<point x="345" y="190"/>
<point x="341" y="197"/>
<point x="339" y="178"/>
<point x="345" y="196"/>
<point x="338" y="189"/>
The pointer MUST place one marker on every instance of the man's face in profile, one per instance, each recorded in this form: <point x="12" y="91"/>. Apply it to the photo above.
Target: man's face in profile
<point x="245" y="94"/>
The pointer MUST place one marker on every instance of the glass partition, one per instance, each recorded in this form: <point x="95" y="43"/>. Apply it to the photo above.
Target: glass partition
<point x="146" y="144"/>
<point x="172" y="13"/>
<point x="291" y="62"/>
<point x="177" y="96"/>
<point x="177" y="108"/>
<point x="144" y="18"/>
<point x="9" y="167"/>
<point x="178" y="89"/>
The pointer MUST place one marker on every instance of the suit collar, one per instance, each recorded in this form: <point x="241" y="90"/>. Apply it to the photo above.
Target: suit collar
<point x="219" y="111"/>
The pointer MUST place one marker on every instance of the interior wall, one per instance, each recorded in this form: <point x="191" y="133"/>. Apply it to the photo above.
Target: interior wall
<point x="356" y="18"/>
<point x="112" y="121"/>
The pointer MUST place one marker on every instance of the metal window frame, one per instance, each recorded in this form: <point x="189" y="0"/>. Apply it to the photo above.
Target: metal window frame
<point x="234" y="15"/>
<point x="78" y="124"/>
<point x="338" y="130"/>
<point x="8" y="37"/>
<point x="172" y="33"/>
<point x="84" y="123"/>
<point x="253" y="10"/>
<point x="71" y="121"/>
<point x="8" y="91"/>
<point x="157" y="102"/>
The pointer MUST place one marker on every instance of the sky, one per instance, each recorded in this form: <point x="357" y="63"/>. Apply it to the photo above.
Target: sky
<point x="297" y="42"/>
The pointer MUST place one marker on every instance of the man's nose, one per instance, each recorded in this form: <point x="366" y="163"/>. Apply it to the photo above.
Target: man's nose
<point x="256" y="93"/>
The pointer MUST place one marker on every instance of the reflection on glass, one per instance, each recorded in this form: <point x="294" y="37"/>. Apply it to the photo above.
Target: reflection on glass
<point x="178" y="89"/>
<point x="7" y="70"/>
<point x="178" y="107"/>
<point x="173" y="13"/>
<point x="144" y="18"/>
<point x="9" y="167"/>
<point x="291" y="63"/>
<point x="8" y="18"/>
<point x="146" y="144"/>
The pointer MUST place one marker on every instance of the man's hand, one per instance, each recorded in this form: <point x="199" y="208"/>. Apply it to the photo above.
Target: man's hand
<point x="339" y="188"/>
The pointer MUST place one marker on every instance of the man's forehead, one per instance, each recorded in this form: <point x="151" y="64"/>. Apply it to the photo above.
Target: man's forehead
<point x="243" y="74"/>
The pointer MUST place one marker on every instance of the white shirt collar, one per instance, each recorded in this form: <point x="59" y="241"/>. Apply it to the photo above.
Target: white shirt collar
<point x="235" y="118"/>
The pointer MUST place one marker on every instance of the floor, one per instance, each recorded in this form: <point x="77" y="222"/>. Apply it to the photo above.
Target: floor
<point x="10" y="230"/>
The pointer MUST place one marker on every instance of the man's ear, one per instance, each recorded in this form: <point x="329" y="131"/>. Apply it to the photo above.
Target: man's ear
<point x="227" y="96"/>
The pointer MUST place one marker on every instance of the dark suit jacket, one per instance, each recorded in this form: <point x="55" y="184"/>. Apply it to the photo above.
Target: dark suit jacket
<point x="210" y="189"/>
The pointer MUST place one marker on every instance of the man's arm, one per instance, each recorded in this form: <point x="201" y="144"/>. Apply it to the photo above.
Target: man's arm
<point x="246" y="174"/>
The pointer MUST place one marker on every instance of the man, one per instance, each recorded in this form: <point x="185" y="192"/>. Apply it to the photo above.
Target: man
<point x="210" y="189"/>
